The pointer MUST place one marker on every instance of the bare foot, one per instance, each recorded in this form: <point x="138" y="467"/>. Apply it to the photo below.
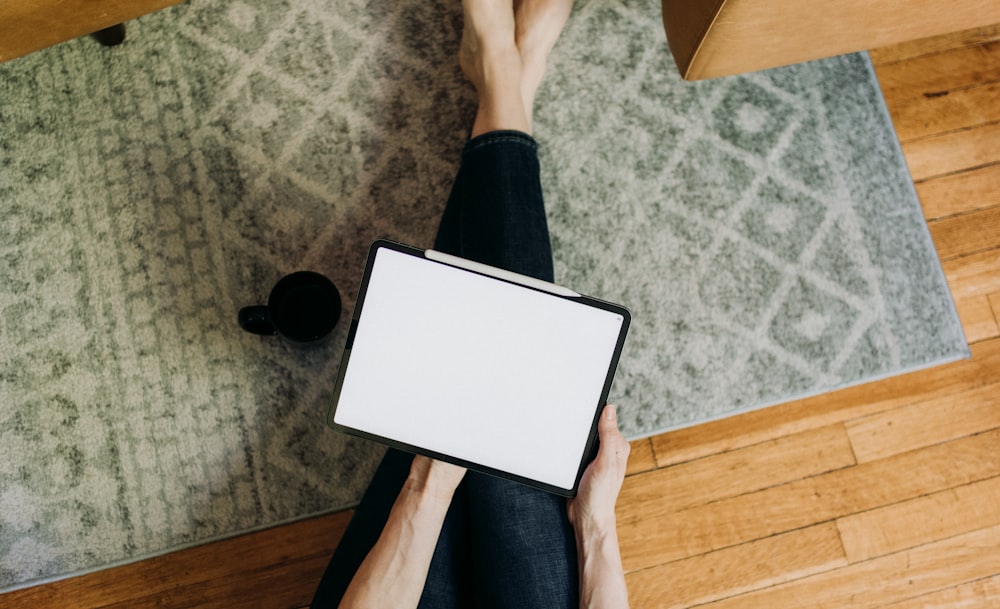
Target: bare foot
<point x="538" y="24"/>
<point x="487" y="38"/>
<point x="490" y="59"/>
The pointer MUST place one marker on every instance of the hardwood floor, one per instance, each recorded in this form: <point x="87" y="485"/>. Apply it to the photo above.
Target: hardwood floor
<point x="883" y="495"/>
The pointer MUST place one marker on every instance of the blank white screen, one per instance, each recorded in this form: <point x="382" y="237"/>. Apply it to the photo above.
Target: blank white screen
<point x="478" y="369"/>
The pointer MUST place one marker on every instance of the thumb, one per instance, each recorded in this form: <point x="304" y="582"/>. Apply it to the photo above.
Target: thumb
<point x="613" y="444"/>
<point x="609" y="421"/>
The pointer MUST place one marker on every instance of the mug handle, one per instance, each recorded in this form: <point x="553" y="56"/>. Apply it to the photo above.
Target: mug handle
<point x="256" y="320"/>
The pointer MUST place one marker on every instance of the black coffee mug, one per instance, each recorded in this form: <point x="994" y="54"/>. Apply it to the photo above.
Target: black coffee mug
<point x="303" y="307"/>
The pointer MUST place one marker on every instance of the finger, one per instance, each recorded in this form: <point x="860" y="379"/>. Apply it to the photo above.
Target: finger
<point x="607" y="430"/>
<point x="607" y="427"/>
<point x="609" y="421"/>
<point x="611" y="437"/>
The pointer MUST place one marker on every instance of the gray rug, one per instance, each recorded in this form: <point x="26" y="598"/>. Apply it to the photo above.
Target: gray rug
<point x="763" y="230"/>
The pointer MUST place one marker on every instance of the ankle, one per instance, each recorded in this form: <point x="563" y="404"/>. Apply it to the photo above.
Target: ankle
<point x="493" y="71"/>
<point x="501" y="106"/>
<point x="532" y="75"/>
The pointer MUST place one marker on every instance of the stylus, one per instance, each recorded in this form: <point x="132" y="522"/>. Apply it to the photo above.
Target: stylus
<point x="484" y="269"/>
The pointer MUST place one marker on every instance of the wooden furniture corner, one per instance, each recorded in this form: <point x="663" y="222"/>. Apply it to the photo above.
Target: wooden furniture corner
<point x="713" y="38"/>
<point x="31" y="25"/>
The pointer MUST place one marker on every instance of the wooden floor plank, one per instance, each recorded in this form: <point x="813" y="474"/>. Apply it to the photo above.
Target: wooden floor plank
<point x="953" y="152"/>
<point x="930" y="46"/>
<point x="650" y="536"/>
<point x="794" y="417"/>
<point x="920" y="521"/>
<point x="978" y="320"/>
<point x="944" y="92"/>
<point x="968" y="233"/>
<point x="925" y="423"/>
<point x="184" y="571"/>
<point x="744" y="568"/>
<point x="737" y="472"/>
<point x="975" y="275"/>
<point x="892" y="578"/>
<point x="242" y="591"/>
<point x="945" y="111"/>
<point x="979" y="594"/>
<point x="640" y="458"/>
<point x="974" y="280"/>
<point x="960" y="193"/>
<point x="930" y="75"/>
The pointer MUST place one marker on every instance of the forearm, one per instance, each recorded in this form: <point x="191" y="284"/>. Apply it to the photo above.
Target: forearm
<point x="394" y="572"/>
<point x="602" y="579"/>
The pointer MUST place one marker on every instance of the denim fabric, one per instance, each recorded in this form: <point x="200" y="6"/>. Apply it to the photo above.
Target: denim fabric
<point x="503" y="544"/>
<point x="495" y="214"/>
<point x="522" y="546"/>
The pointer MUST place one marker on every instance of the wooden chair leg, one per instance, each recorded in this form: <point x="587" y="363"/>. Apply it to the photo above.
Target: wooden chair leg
<point x="111" y="36"/>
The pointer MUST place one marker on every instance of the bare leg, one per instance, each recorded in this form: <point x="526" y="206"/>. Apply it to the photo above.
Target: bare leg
<point x="490" y="60"/>
<point x="504" y="52"/>
<point x="538" y="23"/>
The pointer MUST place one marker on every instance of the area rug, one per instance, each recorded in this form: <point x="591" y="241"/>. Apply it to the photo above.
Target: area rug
<point x="763" y="230"/>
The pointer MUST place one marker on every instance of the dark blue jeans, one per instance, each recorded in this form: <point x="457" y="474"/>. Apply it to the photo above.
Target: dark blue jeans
<point x="502" y="544"/>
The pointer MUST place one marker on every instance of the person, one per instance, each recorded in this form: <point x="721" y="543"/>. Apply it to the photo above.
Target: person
<point x="428" y="533"/>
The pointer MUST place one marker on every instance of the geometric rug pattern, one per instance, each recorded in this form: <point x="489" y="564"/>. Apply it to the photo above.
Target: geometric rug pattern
<point x="763" y="230"/>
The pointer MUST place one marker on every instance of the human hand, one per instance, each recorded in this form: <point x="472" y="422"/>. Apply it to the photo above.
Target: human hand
<point x="434" y="478"/>
<point x="394" y="572"/>
<point x="594" y="504"/>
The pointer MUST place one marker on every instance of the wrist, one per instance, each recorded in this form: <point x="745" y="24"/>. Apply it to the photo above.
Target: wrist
<point x="593" y="526"/>
<point x="602" y="578"/>
<point x="433" y="480"/>
<point x="427" y="492"/>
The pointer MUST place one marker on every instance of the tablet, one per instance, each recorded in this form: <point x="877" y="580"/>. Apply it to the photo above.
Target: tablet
<point x="474" y="365"/>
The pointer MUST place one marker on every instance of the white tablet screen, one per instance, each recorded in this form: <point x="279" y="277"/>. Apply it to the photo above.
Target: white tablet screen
<point x="476" y="368"/>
